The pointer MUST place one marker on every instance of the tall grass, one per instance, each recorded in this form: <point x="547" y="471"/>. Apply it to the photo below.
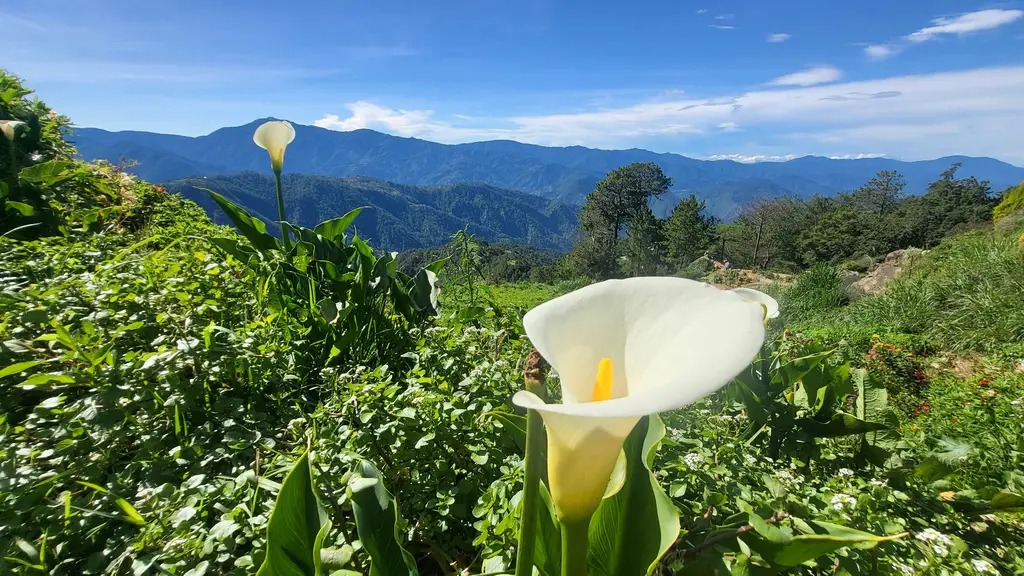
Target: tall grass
<point x="968" y="293"/>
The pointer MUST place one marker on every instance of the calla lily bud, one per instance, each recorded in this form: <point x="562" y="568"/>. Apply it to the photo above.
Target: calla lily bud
<point x="10" y="128"/>
<point x="274" y="137"/>
<point x="624" y="349"/>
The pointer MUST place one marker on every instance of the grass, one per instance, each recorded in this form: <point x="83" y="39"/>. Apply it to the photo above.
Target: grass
<point x="966" y="294"/>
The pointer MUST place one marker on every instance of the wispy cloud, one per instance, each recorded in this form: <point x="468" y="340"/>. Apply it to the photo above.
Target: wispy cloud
<point x="725" y="17"/>
<point x="701" y="11"/>
<point x="809" y="77"/>
<point x="976" y="112"/>
<point x="778" y="38"/>
<point x="721" y="26"/>
<point x="945" y="26"/>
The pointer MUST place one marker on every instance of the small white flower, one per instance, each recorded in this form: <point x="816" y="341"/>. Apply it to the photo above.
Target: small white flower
<point x="940" y="549"/>
<point x="693" y="460"/>
<point x="906" y="569"/>
<point x="877" y="482"/>
<point x="843" y="501"/>
<point x="749" y="459"/>
<point x="845" y="472"/>
<point x="984" y="567"/>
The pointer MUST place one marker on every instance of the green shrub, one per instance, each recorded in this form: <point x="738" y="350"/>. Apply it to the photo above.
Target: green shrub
<point x="815" y="293"/>
<point x="1013" y="200"/>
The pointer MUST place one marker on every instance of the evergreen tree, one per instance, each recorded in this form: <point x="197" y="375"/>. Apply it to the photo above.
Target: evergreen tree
<point x="689" y="233"/>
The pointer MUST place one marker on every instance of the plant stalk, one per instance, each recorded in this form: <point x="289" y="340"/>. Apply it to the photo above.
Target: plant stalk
<point x="575" y="546"/>
<point x="533" y="377"/>
<point x="280" y="211"/>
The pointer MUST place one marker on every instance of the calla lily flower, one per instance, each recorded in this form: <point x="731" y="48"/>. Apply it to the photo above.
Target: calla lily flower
<point x="10" y="128"/>
<point x="624" y="349"/>
<point x="274" y="137"/>
<point x="771" y="307"/>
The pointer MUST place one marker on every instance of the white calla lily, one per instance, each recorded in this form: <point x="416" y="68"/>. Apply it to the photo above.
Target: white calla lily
<point x="771" y="306"/>
<point x="651" y="345"/>
<point x="274" y="136"/>
<point x="10" y="128"/>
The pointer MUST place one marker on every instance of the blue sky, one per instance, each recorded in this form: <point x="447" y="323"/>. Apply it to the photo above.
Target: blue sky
<point x="749" y="80"/>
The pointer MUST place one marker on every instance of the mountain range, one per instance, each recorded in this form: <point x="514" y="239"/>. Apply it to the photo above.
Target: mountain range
<point x="399" y="216"/>
<point x="562" y="174"/>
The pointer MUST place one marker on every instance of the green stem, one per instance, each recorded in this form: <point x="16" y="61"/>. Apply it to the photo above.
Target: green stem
<point x="575" y="546"/>
<point x="535" y="440"/>
<point x="280" y="211"/>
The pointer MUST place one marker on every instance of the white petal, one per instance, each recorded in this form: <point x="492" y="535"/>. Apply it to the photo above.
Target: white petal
<point x="274" y="135"/>
<point x="771" y="306"/>
<point x="671" y="341"/>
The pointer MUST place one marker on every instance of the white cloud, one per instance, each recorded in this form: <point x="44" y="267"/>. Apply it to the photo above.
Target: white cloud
<point x="861" y="156"/>
<point x="752" y="158"/>
<point x="809" y="77"/>
<point x="702" y="11"/>
<point x="720" y="26"/>
<point x="975" y="112"/>
<point x="729" y="127"/>
<point x="725" y="17"/>
<point x="957" y="25"/>
<point x="880" y="51"/>
<point x="967" y="23"/>
<point x="777" y="38"/>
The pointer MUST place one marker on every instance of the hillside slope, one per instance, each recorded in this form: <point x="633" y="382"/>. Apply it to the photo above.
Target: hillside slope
<point x="566" y="174"/>
<point x="399" y="217"/>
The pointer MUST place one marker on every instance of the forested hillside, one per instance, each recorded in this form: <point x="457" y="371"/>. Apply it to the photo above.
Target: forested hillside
<point x="398" y="217"/>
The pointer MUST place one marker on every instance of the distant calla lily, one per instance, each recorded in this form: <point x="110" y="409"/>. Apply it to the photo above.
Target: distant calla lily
<point x="274" y="137"/>
<point x="10" y="128"/>
<point x="624" y="349"/>
<point x="771" y="307"/>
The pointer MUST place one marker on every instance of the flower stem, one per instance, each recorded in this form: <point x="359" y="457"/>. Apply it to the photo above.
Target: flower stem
<point x="280" y="211"/>
<point x="575" y="546"/>
<point x="534" y="462"/>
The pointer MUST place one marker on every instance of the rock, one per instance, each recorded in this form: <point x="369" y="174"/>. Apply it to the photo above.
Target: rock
<point x="895" y="262"/>
<point x="848" y="284"/>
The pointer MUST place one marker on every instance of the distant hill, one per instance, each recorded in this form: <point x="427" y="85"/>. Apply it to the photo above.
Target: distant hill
<point x="399" y="217"/>
<point x="563" y="174"/>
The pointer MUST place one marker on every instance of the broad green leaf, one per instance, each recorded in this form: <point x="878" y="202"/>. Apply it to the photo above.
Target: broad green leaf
<point x="1007" y="501"/>
<point x="21" y="367"/>
<point x="841" y="424"/>
<point x="633" y="529"/>
<point x="425" y="291"/>
<point x="46" y="379"/>
<point x="377" y="519"/>
<point x="547" y="555"/>
<point x="297" y="526"/>
<point x="334" y="229"/>
<point x="252" y="228"/>
<point x="47" y="173"/>
<point x="130" y="513"/>
<point x="795" y="370"/>
<point x="827" y="538"/>
<point x="24" y="209"/>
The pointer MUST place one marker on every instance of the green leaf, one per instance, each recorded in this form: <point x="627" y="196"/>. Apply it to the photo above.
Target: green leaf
<point x="377" y="519"/>
<point x="633" y="529"/>
<point x="425" y="292"/>
<point x="547" y="555"/>
<point x="513" y="425"/>
<point x="47" y="173"/>
<point x="334" y="229"/>
<point x="297" y="526"/>
<point x="130" y="513"/>
<point x="1007" y="501"/>
<point x="46" y="379"/>
<point x="841" y="424"/>
<point x="24" y="209"/>
<point x="21" y="367"/>
<point x="252" y="228"/>
<point x="827" y="539"/>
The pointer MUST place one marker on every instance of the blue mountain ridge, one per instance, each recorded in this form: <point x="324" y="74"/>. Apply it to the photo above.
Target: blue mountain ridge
<point x="562" y="174"/>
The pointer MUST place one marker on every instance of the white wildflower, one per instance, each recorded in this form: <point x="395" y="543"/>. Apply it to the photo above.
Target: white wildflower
<point x="843" y="501"/>
<point x="693" y="460"/>
<point x="984" y="567"/>
<point x="750" y="460"/>
<point x="906" y="569"/>
<point x="845" y="472"/>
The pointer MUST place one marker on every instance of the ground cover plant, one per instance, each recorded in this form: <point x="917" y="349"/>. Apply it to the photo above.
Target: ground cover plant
<point x="183" y="398"/>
